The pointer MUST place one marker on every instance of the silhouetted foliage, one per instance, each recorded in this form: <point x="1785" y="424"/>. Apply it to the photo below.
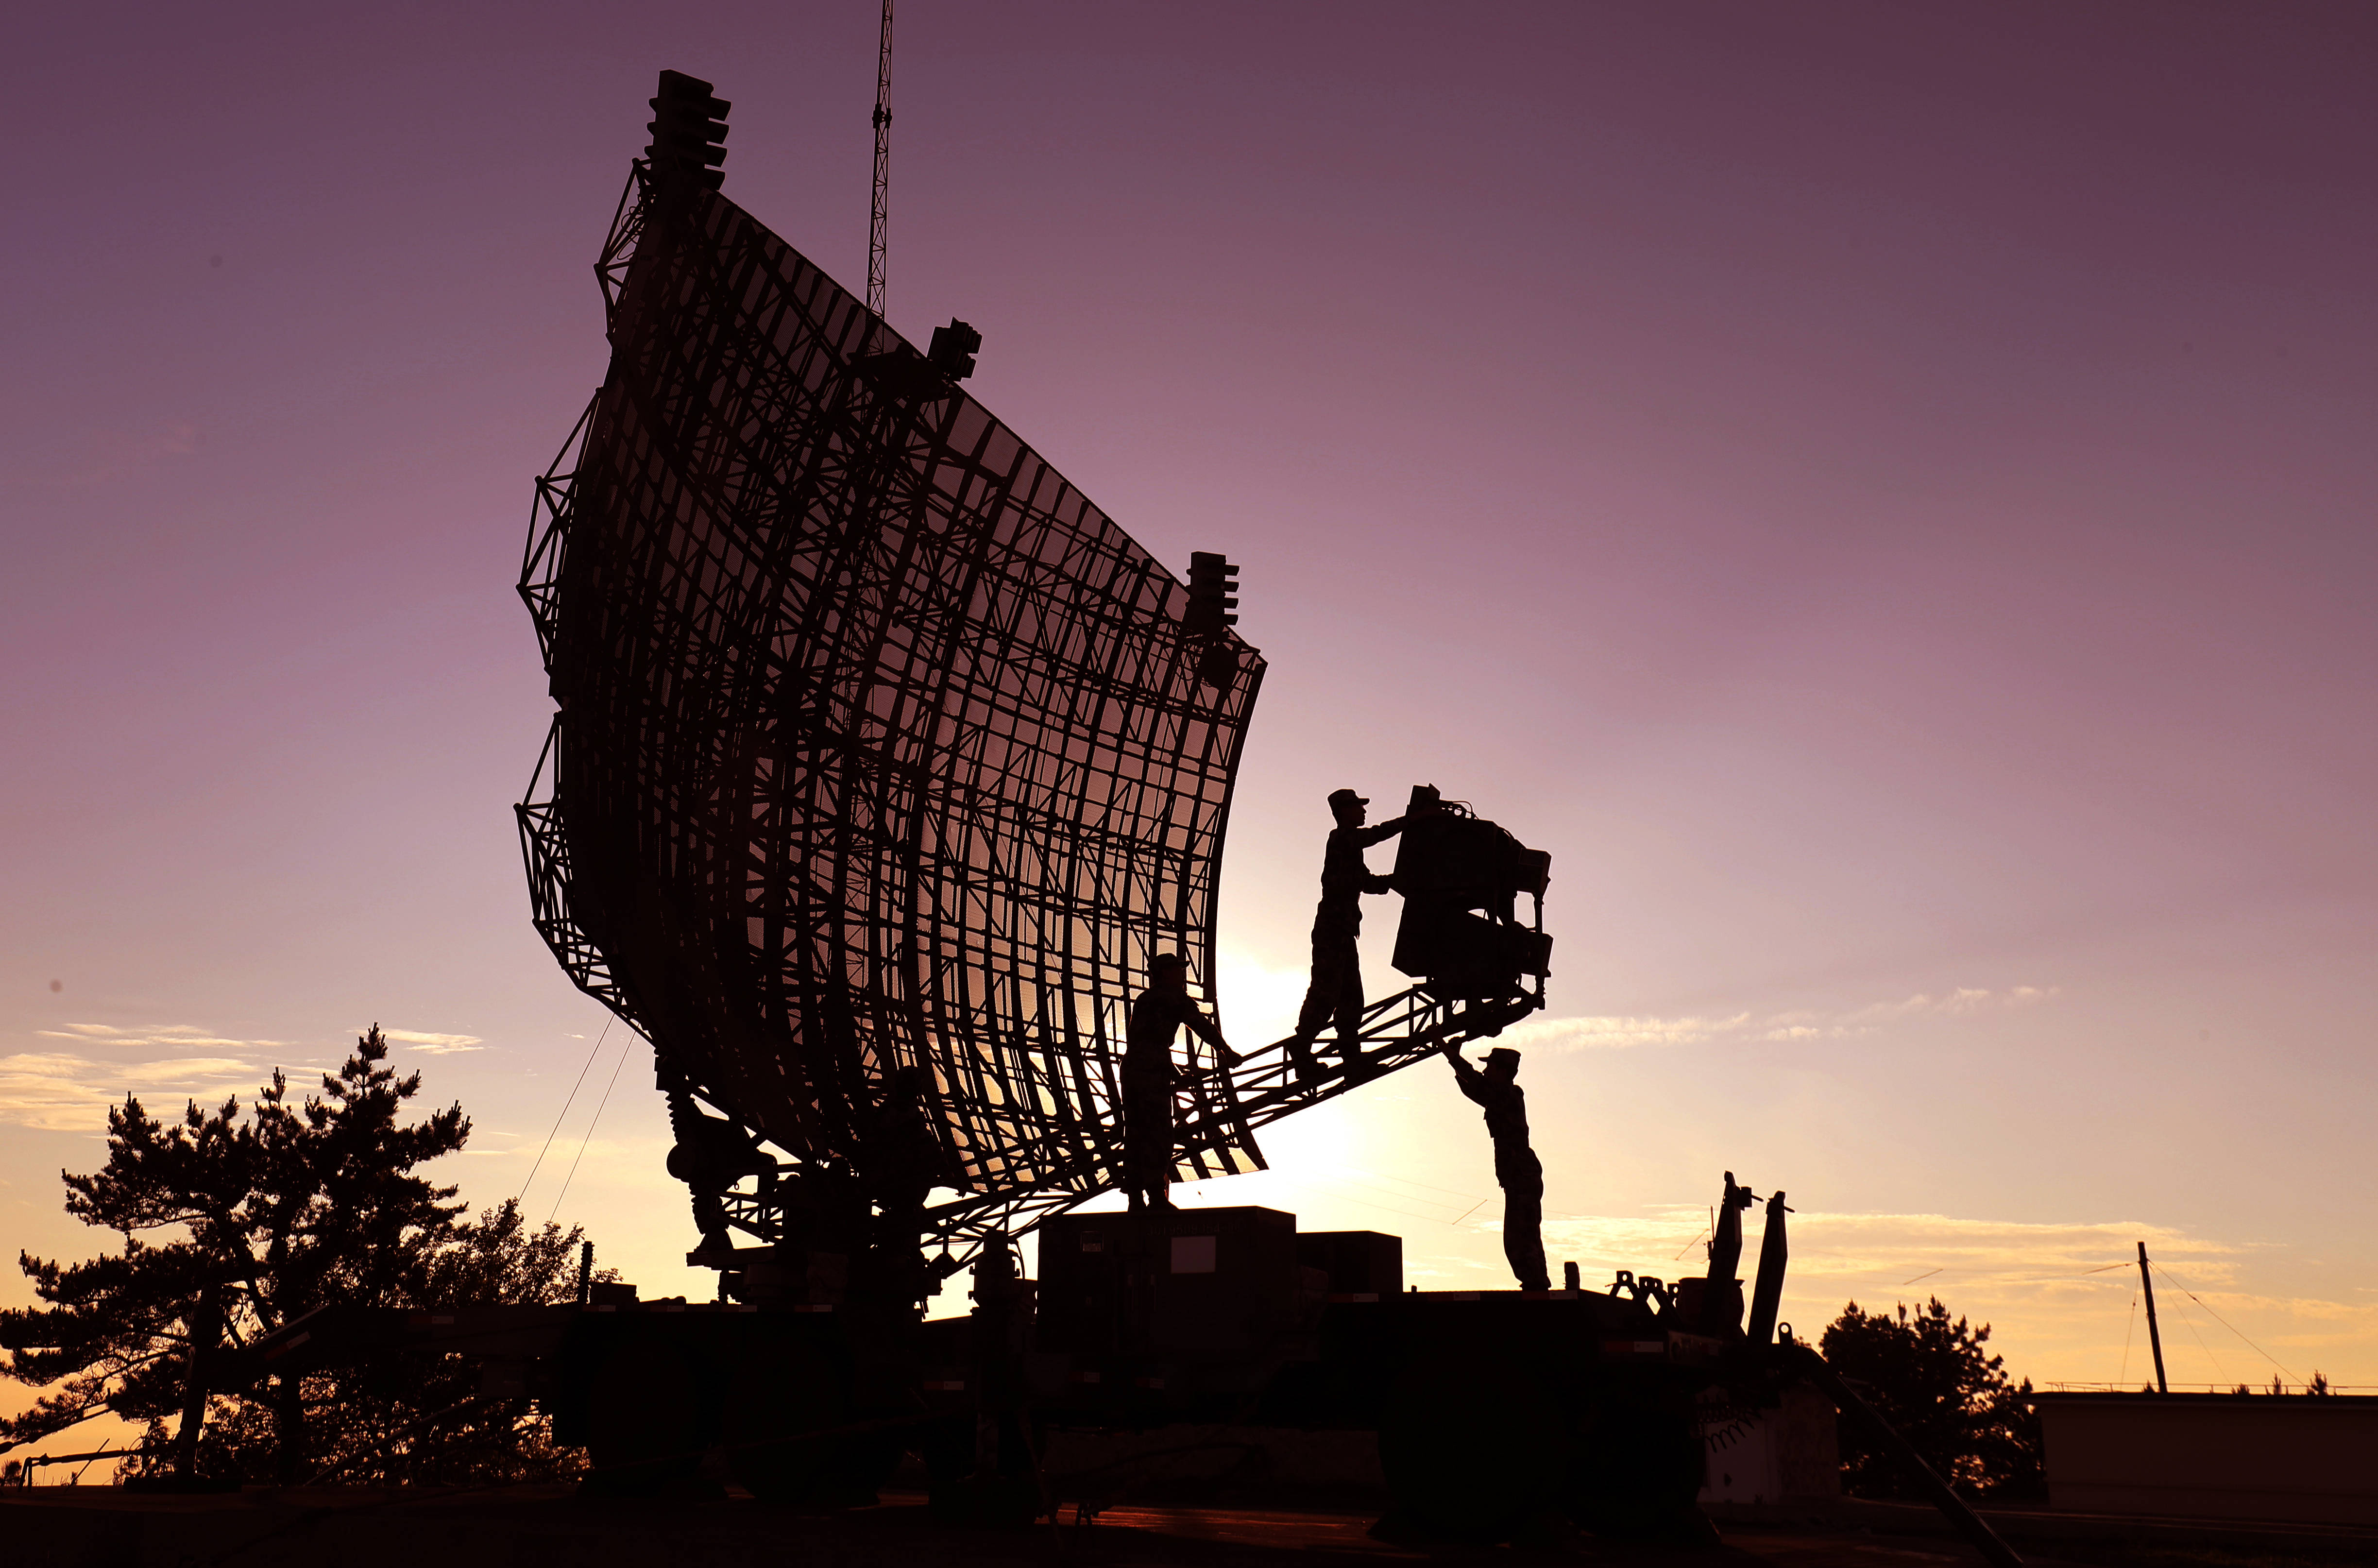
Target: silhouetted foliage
<point x="1930" y="1377"/>
<point x="2318" y="1386"/>
<point x="291" y="1208"/>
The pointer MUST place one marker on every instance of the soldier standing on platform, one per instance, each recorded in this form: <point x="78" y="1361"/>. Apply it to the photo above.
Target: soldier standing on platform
<point x="1336" y="993"/>
<point x="1516" y="1169"/>
<point x="1149" y="1076"/>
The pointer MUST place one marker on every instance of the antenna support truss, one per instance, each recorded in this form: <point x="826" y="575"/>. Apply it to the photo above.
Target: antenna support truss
<point x="1397" y="1030"/>
<point x="878" y="209"/>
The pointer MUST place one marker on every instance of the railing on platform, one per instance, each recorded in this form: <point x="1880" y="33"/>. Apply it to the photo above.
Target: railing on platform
<point x="1219" y="1110"/>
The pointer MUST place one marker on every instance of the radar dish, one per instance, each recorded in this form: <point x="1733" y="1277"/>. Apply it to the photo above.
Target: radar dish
<point x="878" y="745"/>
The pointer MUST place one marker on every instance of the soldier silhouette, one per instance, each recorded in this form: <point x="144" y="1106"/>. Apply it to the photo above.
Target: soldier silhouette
<point x="1517" y="1170"/>
<point x="1337" y="989"/>
<point x="1149" y="1076"/>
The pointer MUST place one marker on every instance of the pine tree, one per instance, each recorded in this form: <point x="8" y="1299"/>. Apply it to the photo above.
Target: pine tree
<point x="291" y="1208"/>
<point x="422" y="1417"/>
<point x="1931" y="1379"/>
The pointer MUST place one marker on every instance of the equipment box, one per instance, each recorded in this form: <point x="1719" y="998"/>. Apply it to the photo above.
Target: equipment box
<point x="1205" y="1279"/>
<point x="1358" y="1262"/>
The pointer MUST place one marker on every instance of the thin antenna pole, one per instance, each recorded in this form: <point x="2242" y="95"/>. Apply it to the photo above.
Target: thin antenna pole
<point x="2155" y="1335"/>
<point x="877" y="214"/>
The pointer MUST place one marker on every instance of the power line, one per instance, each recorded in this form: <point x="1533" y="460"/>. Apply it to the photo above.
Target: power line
<point x="2190" y="1323"/>
<point x="2230" y="1326"/>
<point x="1344" y="1192"/>
<point x="2054" y="1279"/>
<point x="625" y="1046"/>
<point x="2123" y="1377"/>
<point x="1338" y="1190"/>
<point x="565" y="1109"/>
<point x="1407" y="1181"/>
<point x="1389" y="1192"/>
<point x="1978" y="1279"/>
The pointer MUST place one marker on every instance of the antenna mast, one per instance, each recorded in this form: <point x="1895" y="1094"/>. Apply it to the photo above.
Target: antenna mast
<point x="876" y="222"/>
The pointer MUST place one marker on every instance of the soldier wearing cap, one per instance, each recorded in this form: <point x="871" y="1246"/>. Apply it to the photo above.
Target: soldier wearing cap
<point x="1517" y="1170"/>
<point x="1337" y="989"/>
<point x="1149" y="1076"/>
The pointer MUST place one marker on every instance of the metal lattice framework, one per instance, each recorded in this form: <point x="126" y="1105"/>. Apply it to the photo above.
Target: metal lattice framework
<point x="1397" y="1031"/>
<point x="877" y="744"/>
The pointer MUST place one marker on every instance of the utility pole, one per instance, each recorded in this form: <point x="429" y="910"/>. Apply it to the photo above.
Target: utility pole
<point x="2155" y="1335"/>
<point x="876" y="215"/>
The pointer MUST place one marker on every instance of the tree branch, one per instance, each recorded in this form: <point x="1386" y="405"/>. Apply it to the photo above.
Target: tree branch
<point x="87" y="1413"/>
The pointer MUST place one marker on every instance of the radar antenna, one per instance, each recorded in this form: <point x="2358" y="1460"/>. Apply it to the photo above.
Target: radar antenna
<point x="963" y="743"/>
<point x="876" y="209"/>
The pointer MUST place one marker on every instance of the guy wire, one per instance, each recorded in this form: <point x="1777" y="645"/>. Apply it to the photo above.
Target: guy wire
<point x="2190" y="1323"/>
<point x="2225" y="1322"/>
<point x="565" y="1107"/>
<point x="625" y="1046"/>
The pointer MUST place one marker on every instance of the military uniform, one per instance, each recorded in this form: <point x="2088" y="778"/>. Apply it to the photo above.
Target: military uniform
<point x="1516" y="1171"/>
<point x="1336" y="993"/>
<point x="1149" y="1080"/>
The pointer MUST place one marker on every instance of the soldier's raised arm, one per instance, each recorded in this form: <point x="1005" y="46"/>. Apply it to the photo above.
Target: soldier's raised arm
<point x="1203" y="1026"/>
<point x="1467" y="1076"/>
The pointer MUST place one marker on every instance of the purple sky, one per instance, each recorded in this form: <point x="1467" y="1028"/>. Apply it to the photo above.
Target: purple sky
<point x="1882" y="493"/>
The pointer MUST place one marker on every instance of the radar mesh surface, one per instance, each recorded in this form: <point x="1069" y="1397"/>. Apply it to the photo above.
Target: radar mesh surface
<point x="878" y="745"/>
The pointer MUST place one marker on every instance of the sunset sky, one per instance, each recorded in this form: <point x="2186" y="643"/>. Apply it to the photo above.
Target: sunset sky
<point x="1882" y="493"/>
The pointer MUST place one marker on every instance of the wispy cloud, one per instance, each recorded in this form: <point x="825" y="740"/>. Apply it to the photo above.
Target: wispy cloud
<point x="433" y="1045"/>
<point x="1618" y="1031"/>
<point x="70" y="1087"/>
<point x="2054" y="1255"/>
<point x="2066" y="1291"/>
<point x="61" y="1091"/>
<point x="1613" y="1032"/>
<point x="1851" y="1250"/>
<point x="171" y="1036"/>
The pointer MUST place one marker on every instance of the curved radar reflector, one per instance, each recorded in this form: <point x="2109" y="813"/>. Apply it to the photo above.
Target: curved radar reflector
<point x="878" y="745"/>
